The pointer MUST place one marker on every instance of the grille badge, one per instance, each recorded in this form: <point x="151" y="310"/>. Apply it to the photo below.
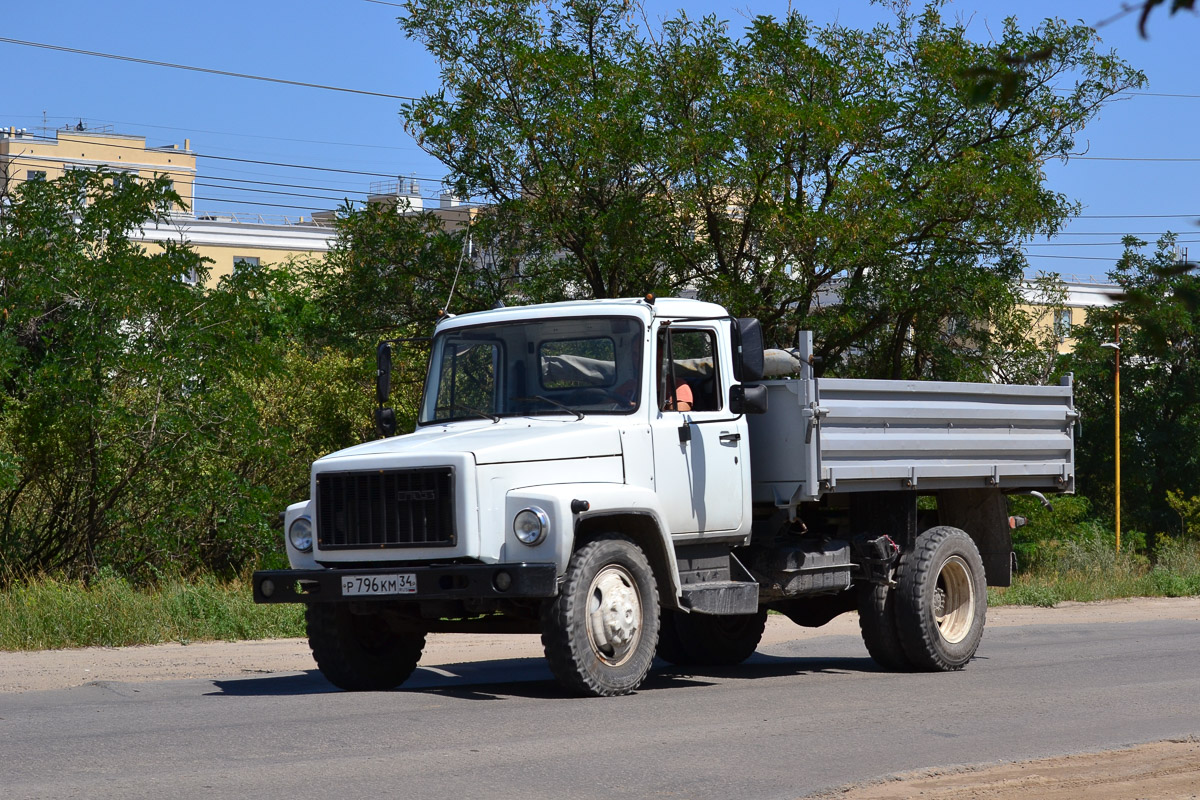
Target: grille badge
<point x="417" y="494"/>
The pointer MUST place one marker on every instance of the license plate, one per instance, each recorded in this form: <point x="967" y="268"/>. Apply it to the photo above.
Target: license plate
<point x="366" y="585"/>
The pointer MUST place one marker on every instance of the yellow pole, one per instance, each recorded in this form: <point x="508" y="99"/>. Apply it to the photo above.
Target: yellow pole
<point x="1118" y="435"/>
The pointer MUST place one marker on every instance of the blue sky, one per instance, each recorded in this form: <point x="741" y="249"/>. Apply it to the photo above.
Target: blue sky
<point x="357" y="44"/>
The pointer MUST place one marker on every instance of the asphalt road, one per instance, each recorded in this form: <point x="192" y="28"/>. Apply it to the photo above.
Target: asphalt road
<point x="797" y="718"/>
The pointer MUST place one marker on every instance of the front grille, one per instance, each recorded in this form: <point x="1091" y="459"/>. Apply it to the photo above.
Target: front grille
<point x="393" y="508"/>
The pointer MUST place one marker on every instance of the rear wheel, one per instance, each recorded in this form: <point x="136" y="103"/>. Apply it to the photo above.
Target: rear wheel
<point x="360" y="652"/>
<point x="670" y="645"/>
<point x="941" y="600"/>
<point x="710" y="640"/>
<point x="880" y="632"/>
<point x="601" y="631"/>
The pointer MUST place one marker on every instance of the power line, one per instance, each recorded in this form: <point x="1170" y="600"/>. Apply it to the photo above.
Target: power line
<point x="192" y="131"/>
<point x="1097" y="244"/>
<point x="289" y="185"/>
<point x="1137" y="216"/>
<point x="1131" y="158"/>
<point x="1077" y="258"/>
<point x="269" y="191"/>
<point x="252" y="203"/>
<point x="206" y="70"/>
<point x="340" y="196"/>
<point x="1112" y="233"/>
<point x="1164" y="94"/>
<point x="253" y="161"/>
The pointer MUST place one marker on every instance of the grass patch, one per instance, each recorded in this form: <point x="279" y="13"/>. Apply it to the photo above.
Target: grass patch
<point x="48" y="613"/>
<point x="1093" y="570"/>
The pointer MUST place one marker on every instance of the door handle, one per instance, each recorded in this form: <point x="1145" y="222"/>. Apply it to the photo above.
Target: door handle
<point x="731" y="437"/>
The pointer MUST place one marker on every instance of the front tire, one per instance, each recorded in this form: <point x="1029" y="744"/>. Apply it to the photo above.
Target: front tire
<point x="360" y="652"/>
<point x="601" y="631"/>
<point x="941" y="600"/>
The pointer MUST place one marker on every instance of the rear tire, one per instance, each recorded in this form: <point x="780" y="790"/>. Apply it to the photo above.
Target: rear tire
<point x="670" y="646"/>
<point x="601" y="631"/>
<point x="715" y="641"/>
<point x="941" y="600"/>
<point x="877" y="621"/>
<point x="360" y="652"/>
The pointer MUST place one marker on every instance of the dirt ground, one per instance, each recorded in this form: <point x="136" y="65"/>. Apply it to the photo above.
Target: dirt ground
<point x="1152" y="772"/>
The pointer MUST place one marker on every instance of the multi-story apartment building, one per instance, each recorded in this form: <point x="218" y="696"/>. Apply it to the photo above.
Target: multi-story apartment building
<point x="232" y="241"/>
<point x="25" y="156"/>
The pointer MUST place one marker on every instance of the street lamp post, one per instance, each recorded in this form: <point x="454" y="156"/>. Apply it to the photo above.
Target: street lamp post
<point x="1116" y="348"/>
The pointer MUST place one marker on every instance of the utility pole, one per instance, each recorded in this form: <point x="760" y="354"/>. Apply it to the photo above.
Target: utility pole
<point x="1117" y="402"/>
<point x="1116" y="348"/>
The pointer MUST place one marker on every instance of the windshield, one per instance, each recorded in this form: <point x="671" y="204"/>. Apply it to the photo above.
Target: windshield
<point x="574" y="365"/>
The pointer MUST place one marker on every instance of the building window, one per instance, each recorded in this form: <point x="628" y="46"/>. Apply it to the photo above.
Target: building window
<point x="122" y="179"/>
<point x="1062" y="323"/>
<point x="35" y="175"/>
<point x="244" y="263"/>
<point x="164" y="205"/>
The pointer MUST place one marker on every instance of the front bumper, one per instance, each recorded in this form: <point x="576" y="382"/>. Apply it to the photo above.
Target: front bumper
<point x="448" y="582"/>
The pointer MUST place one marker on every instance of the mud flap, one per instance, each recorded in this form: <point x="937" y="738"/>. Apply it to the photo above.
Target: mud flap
<point x="982" y="513"/>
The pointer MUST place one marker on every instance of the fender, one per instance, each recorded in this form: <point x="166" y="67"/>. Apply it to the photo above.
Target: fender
<point x="296" y="559"/>
<point x="603" y="500"/>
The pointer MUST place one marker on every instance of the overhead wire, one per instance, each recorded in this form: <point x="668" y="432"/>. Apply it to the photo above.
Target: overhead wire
<point x="206" y="70"/>
<point x="257" y="161"/>
<point x="1139" y="159"/>
<point x="192" y="131"/>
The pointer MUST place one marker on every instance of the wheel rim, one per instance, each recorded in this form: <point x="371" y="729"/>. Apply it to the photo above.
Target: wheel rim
<point x="614" y="615"/>
<point x="954" y="600"/>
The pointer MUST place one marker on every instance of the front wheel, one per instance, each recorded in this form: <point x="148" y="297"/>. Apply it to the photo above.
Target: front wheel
<point x="601" y="631"/>
<point x="941" y="600"/>
<point x="360" y="652"/>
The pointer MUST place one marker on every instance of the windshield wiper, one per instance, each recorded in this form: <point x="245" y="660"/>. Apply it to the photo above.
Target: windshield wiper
<point x="544" y="399"/>
<point x="473" y="411"/>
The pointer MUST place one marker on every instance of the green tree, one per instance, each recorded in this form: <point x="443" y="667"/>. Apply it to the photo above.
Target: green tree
<point x="1160" y="381"/>
<point x="872" y="200"/>
<point x="104" y="349"/>
<point x="391" y="273"/>
<point x="548" y="111"/>
<point x="815" y="177"/>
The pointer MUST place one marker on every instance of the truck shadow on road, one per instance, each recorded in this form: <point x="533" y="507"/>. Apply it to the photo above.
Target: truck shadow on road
<point x="531" y="678"/>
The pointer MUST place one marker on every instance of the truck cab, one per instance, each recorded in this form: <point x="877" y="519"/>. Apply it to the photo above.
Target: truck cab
<point x="540" y="428"/>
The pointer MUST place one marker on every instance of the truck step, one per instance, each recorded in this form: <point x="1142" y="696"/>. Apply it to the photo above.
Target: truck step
<point x="721" y="597"/>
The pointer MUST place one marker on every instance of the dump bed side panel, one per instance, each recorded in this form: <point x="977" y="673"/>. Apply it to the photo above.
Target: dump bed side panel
<point x="902" y="435"/>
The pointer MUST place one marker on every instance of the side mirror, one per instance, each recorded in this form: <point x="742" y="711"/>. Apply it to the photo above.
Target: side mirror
<point x="385" y="421"/>
<point x="748" y="362"/>
<point x="747" y="399"/>
<point x="383" y="372"/>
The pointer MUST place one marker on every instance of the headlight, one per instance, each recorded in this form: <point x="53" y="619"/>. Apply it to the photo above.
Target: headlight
<point x="300" y="534"/>
<point x="531" y="525"/>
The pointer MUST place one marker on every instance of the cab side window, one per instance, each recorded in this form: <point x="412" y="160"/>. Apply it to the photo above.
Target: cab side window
<point x="687" y="366"/>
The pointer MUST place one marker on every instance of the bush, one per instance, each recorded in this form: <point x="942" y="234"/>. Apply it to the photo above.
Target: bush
<point x="1039" y="542"/>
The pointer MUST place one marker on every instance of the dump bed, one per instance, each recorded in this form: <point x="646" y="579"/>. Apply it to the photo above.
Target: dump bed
<point x="842" y="435"/>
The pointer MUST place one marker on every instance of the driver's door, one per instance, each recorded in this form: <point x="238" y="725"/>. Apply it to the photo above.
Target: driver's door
<point x="699" y="454"/>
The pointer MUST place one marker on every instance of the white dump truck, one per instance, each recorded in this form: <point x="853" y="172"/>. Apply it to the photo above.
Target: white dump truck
<point x="632" y="478"/>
